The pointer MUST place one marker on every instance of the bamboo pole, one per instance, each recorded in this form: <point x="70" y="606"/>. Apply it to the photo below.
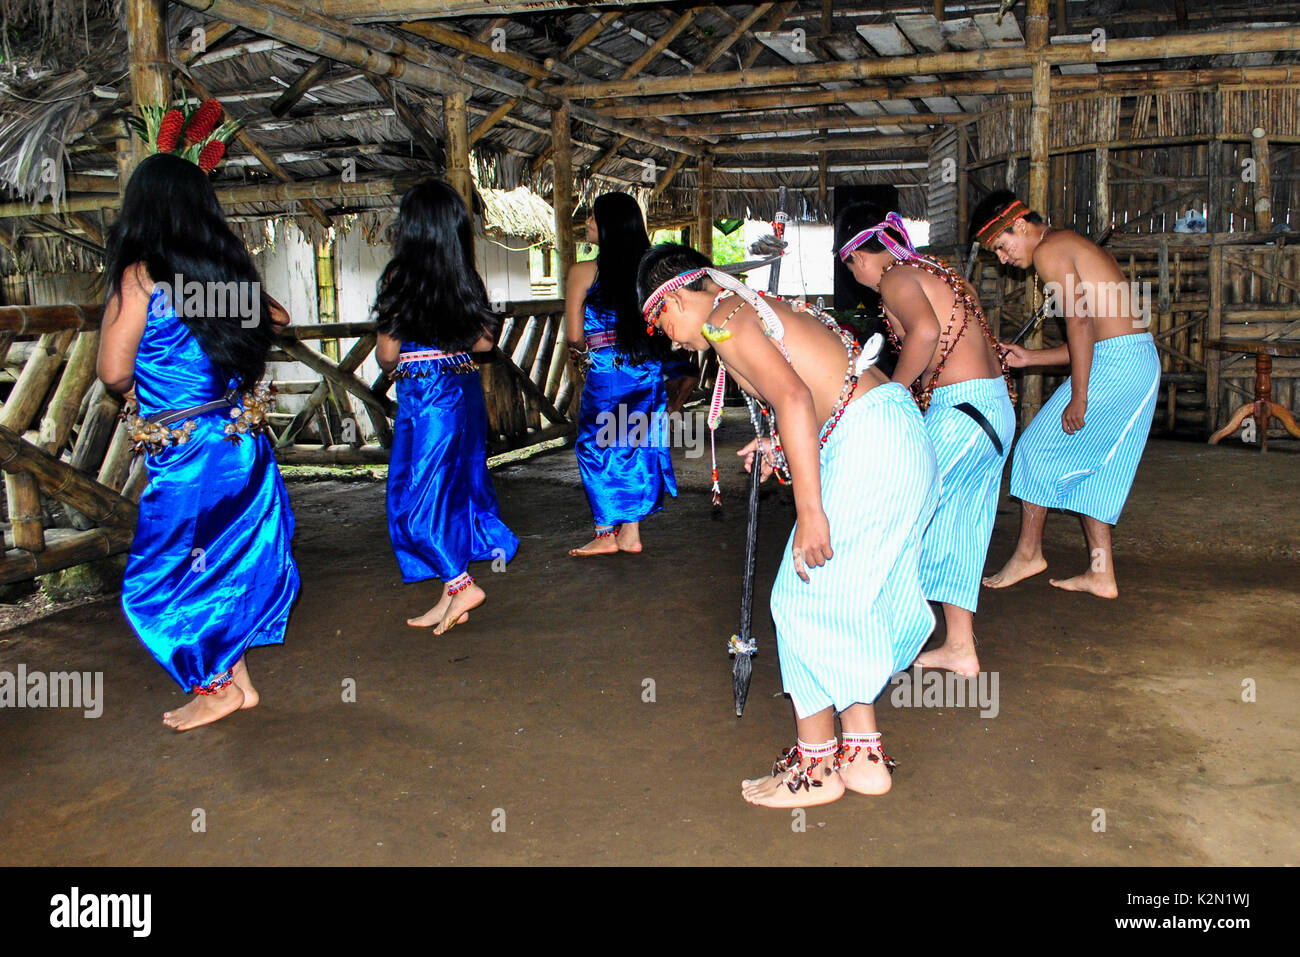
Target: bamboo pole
<point x="33" y="383"/>
<point x="73" y="386"/>
<point x="778" y="146"/>
<point x="64" y="483"/>
<point x="410" y="119"/>
<point x="1270" y="40"/>
<point x="562" y="193"/>
<point x="437" y="9"/>
<point x="150" y="73"/>
<point x="1213" y="330"/>
<point x="669" y="175"/>
<point x="1101" y="190"/>
<point x="263" y="157"/>
<point x="1123" y="81"/>
<point x="26" y="516"/>
<point x="334" y="376"/>
<point x="785" y="123"/>
<point x="736" y="34"/>
<point x="1263" y="180"/>
<point x="1039" y="116"/>
<point x="19" y="565"/>
<point x="299" y="87"/>
<point x="456" y="124"/>
<point x="704" y="207"/>
<point x="331" y="188"/>
<point x="667" y="37"/>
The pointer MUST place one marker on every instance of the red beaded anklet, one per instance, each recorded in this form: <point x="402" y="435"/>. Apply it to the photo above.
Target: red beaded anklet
<point x="217" y="685"/>
<point x="459" y="583"/>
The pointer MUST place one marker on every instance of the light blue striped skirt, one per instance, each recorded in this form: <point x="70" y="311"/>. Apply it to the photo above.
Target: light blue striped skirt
<point x="970" y="466"/>
<point x="1092" y="471"/>
<point x="862" y="616"/>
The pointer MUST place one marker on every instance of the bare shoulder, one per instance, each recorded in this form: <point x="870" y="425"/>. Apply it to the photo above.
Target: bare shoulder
<point x="584" y="272"/>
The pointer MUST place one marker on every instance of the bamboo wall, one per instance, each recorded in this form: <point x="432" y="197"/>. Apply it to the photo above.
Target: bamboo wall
<point x="72" y="482"/>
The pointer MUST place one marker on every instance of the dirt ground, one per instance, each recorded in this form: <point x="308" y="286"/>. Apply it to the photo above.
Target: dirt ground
<point x="524" y="737"/>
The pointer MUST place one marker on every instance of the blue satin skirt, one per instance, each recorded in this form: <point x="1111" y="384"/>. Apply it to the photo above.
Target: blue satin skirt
<point x="622" y="443"/>
<point x="442" y="508"/>
<point x="210" y="573"/>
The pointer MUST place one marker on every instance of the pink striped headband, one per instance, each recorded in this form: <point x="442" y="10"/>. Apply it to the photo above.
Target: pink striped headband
<point x="656" y="300"/>
<point x="894" y="221"/>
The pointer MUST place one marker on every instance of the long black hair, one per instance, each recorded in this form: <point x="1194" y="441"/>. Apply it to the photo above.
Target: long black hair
<point x="668" y="261"/>
<point x="623" y="241"/>
<point x="992" y="205"/>
<point x="430" y="292"/>
<point x="171" y="221"/>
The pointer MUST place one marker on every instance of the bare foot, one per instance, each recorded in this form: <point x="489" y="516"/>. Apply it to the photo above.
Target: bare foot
<point x="251" y="697"/>
<point x="458" y="611"/>
<point x="600" y="545"/>
<point x="866" y="776"/>
<point x="434" y="614"/>
<point x="205" y="708"/>
<point x="774" y="792"/>
<point x="1016" y="569"/>
<point x="950" y="659"/>
<point x="628" y="539"/>
<point x="1101" y="584"/>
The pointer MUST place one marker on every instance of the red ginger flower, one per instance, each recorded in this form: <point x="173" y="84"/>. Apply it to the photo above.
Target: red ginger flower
<point x="169" y="131"/>
<point x="203" y="121"/>
<point x="211" y="155"/>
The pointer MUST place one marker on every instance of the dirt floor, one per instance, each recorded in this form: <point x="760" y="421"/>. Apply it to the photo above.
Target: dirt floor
<point x="524" y="737"/>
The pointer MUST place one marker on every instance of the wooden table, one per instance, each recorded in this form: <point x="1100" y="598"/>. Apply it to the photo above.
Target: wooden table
<point x="1263" y="408"/>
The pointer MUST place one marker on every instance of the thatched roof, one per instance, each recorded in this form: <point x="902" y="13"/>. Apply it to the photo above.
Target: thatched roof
<point x="64" y="91"/>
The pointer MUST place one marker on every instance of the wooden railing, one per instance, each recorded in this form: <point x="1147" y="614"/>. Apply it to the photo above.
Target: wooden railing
<point x="72" y="483"/>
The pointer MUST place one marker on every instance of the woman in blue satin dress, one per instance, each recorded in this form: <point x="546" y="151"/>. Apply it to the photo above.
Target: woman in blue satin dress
<point x="187" y="326"/>
<point x="432" y="312"/>
<point x="622" y="442"/>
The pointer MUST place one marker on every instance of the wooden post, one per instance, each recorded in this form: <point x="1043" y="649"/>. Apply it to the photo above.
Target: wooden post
<point x="562" y="194"/>
<point x="1039" y="116"/>
<point x="1101" y="191"/>
<point x="963" y="186"/>
<point x="704" y="207"/>
<point x="823" y="191"/>
<point x="150" y="72"/>
<point x="1263" y="180"/>
<point x="1213" y="329"/>
<point x="455" y="120"/>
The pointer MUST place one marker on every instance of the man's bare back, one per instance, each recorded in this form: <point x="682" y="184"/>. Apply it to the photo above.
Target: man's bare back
<point x="973" y="357"/>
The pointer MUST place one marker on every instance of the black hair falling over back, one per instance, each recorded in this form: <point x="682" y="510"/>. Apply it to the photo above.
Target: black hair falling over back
<point x="623" y="241"/>
<point x="171" y="221"/>
<point x="430" y="293"/>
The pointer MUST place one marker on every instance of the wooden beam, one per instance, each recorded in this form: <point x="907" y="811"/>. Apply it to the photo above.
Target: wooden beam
<point x="667" y="37"/>
<point x="667" y="178"/>
<point x="1271" y="40"/>
<point x="730" y="39"/>
<point x="1124" y="81"/>
<point x="1101" y="190"/>
<point x="474" y="47"/>
<point x="247" y="142"/>
<point x="704" y="207"/>
<point x="299" y="87"/>
<point x="1031" y="396"/>
<point x="589" y="34"/>
<point x="782" y="11"/>
<point x="212" y="33"/>
<point x="457" y="128"/>
<point x="608" y="155"/>
<point x="149" y="69"/>
<point x="813" y="144"/>
<point x="1263" y="179"/>
<point x="438" y="9"/>
<point x="562" y="193"/>
<point x="410" y="119"/>
<point x="786" y="123"/>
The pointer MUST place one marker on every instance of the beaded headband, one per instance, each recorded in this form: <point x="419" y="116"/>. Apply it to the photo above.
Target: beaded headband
<point x="892" y="221"/>
<point x="653" y="304"/>
<point x="1000" y="222"/>
<point x="727" y="281"/>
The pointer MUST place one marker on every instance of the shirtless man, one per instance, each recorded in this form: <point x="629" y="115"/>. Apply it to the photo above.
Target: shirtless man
<point x="950" y="359"/>
<point x="847" y="601"/>
<point x="1082" y="450"/>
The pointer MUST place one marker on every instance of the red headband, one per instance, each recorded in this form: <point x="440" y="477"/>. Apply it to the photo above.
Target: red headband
<point x="1001" y="221"/>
